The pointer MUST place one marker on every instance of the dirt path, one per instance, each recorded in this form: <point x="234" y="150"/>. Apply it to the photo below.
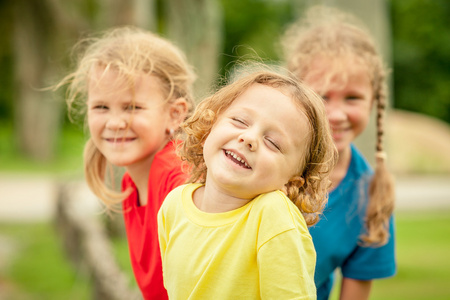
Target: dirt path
<point x="31" y="198"/>
<point x="423" y="192"/>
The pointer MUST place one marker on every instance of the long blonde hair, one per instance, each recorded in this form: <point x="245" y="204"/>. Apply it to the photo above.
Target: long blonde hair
<point x="307" y="189"/>
<point x="330" y="33"/>
<point x="130" y="52"/>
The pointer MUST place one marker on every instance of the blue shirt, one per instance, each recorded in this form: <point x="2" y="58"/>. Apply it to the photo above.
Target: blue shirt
<point x="336" y="235"/>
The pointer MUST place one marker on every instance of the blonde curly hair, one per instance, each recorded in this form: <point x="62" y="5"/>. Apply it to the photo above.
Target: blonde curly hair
<point x="308" y="188"/>
<point x="340" y="38"/>
<point x="131" y="52"/>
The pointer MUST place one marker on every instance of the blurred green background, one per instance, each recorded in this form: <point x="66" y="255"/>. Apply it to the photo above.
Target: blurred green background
<point x="37" y="140"/>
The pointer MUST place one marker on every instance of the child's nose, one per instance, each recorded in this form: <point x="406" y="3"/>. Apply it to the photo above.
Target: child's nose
<point x="336" y="113"/>
<point x="116" y="122"/>
<point x="249" y="141"/>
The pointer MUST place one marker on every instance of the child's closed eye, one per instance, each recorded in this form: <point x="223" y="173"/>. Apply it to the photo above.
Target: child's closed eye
<point x="132" y="107"/>
<point x="99" y="107"/>
<point x="353" y="97"/>
<point x="239" y="122"/>
<point x="273" y="144"/>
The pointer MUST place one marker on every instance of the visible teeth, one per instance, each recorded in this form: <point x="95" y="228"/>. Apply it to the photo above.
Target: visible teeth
<point x="236" y="158"/>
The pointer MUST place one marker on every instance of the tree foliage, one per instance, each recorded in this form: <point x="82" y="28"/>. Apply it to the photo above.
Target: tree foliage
<point x="253" y="27"/>
<point x="421" y="40"/>
<point x="6" y="63"/>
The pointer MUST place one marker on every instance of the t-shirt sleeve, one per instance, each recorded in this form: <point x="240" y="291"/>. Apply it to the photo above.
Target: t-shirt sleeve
<point x="286" y="267"/>
<point x="165" y="220"/>
<point x="162" y="238"/>
<point x="166" y="215"/>
<point x="162" y="233"/>
<point x="367" y="263"/>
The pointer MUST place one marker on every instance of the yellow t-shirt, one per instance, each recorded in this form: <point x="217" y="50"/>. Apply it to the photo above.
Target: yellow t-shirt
<point x="262" y="250"/>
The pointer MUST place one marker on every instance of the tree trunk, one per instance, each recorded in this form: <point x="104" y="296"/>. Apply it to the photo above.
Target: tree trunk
<point x="141" y="13"/>
<point x="196" y="27"/>
<point x="37" y="114"/>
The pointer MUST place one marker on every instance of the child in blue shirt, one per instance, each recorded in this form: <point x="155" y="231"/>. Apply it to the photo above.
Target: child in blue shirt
<point x="331" y="53"/>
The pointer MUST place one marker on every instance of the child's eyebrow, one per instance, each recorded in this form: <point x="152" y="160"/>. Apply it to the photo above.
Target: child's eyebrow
<point x="95" y="100"/>
<point x="237" y="109"/>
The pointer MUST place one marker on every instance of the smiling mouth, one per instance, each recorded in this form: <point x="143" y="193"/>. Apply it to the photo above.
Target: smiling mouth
<point x="338" y="131"/>
<point x="237" y="159"/>
<point x="119" y="140"/>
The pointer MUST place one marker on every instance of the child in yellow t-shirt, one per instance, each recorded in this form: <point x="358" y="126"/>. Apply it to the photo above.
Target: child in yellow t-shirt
<point x="262" y="151"/>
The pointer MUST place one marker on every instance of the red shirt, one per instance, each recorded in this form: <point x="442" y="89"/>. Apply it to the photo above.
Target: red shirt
<point x="141" y="221"/>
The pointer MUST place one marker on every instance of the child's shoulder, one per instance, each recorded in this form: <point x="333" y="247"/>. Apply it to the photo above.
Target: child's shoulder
<point x="277" y="205"/>
<point x="273" y="199"/>
<point x="359" y="166"/>
<point x="180" y="192"/>
<point x="359" y="161"/>
<point x="277" y="214"/>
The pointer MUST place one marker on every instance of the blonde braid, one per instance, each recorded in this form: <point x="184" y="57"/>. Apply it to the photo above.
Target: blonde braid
<point x="381" y="189"/>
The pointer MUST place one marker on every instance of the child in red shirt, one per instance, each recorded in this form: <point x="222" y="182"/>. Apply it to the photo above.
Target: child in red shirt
<point x="136" y="89"/>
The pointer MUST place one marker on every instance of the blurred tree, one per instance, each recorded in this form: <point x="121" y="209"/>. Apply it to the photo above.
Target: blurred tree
<point x="196" y="26"/>
<point x="422" y="56"/>
<point x="141" y="13"/>
<point x="6" y="64"/>
<point x="252" y="29"/>
<point x="40" y="33"/>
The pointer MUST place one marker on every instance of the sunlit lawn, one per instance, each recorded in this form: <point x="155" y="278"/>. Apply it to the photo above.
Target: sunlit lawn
<point x="38" y="269"/>
<point x="423" y="247"/>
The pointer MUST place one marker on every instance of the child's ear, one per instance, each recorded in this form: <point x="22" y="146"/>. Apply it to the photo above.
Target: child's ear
<point x="178" y="110"/>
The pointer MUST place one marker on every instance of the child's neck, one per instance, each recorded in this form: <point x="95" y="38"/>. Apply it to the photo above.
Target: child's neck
<point x="340" y="170"/>
<point x="211" y="200"/>
<point x="139" y="173"/>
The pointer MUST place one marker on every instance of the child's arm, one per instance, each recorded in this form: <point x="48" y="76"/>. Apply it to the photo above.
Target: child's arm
<point x="352" y="289"/>
<point x="286" y="266"/>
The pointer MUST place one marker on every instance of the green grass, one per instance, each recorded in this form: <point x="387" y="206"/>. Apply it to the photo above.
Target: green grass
<point x="36" y="267"/>
<point x="68" y="153"/>
<point x="423" y="246"/>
